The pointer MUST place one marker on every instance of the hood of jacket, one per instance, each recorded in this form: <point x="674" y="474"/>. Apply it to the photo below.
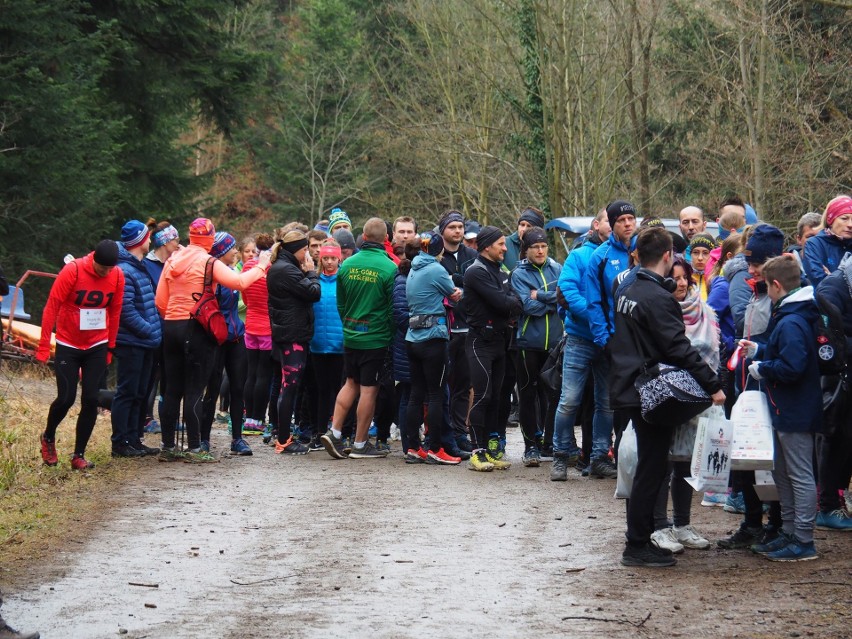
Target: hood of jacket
<point x="421" y="261"/>
<point x="737" y="264"/>
<point x="800" y="302"/>
<point x="183" y="259"/>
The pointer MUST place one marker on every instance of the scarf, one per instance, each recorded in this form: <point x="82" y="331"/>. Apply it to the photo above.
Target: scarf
<point x="702" y="329"/>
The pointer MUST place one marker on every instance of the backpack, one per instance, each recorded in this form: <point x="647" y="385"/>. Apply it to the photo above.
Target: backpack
<point x="830" y="338"/>
<point x="206" y="310"/>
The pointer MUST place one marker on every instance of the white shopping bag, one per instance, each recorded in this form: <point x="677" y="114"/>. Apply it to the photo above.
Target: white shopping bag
<point x="764" y="485"/>
<point x="752" y="447"/>
<point x="628" y="458"/>
<point x="711" y="455"/>
<point x="683" y="439"/>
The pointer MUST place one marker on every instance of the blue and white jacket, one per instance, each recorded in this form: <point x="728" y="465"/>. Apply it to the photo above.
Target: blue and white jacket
<point x="539" y="327"/>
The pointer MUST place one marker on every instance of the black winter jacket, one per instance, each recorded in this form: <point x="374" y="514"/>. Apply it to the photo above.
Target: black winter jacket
<point x="456" y="265"/>
<point x="489" y="299"/>
<point x="647" y="315"/>
<point x="292" y="294"/>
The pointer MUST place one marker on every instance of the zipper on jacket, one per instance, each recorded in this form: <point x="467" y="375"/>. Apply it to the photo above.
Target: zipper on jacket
<point x="546" y="315"/>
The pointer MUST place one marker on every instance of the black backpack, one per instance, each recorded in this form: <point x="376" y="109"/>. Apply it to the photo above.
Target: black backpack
<point x="830" y="338"/>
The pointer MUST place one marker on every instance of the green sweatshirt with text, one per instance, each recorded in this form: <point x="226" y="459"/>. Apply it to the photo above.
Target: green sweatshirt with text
<point x="364" y="298"/>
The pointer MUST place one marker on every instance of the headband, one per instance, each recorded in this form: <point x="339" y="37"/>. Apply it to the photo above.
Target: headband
<point x="164" y="236"/>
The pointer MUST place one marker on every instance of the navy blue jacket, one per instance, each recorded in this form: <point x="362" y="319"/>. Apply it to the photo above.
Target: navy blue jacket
<point x="836" y="289"/>
<point x="823" y="250"/>
<point x="401" y="365"/>
<point x="229" y="301"/>
<point x="140" y="323"/>
<point x="789" y="365"/>
<point x="539" y="327"/>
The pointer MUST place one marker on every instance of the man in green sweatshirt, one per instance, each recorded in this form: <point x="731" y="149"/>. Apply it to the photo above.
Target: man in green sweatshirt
<point x="364" y="301"/>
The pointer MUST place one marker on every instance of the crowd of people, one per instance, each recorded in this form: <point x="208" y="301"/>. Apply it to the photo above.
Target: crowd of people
<point x="328" y="340"/>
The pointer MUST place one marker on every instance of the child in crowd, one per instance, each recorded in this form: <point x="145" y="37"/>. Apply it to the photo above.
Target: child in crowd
<point x="790" y="370"/>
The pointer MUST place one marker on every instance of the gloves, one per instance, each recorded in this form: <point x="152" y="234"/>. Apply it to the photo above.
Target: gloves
<point x="753" y="370"/>
<point x="749" y="348"/>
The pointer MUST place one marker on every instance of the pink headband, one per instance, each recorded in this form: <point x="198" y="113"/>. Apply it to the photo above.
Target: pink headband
<point x="838" y="207"/>
<point x="328" y="250"/>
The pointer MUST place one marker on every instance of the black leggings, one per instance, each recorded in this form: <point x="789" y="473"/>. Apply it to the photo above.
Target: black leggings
<point x="230" y="360"/>
<point x="258" y="378"/>
<point x="537" y="406"/>
<point x="486" y="359"/>
<point x="428" y="362"/>
<point x="293" y="358"/>
<point x="328" y="378"/>
<point x="68" y="363"/>
<point x="188" y="354"/>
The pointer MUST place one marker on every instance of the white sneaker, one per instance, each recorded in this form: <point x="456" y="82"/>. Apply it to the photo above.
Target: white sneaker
<point x="665" y="538"/>
<point x="687" y="536"/>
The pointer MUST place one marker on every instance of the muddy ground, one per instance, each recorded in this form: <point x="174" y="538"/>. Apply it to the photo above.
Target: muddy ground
<point x="271" y="546"/>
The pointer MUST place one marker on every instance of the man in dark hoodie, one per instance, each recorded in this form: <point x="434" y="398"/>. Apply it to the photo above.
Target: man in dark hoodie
<point x="529" y="218"/>
<point x="649" y="330"/>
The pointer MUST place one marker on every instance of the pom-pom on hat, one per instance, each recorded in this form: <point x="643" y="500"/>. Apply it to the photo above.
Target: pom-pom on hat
<point x="336" y="217"/>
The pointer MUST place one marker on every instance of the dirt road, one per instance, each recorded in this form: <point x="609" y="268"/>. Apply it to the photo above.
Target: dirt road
<point x="271" y="546"/>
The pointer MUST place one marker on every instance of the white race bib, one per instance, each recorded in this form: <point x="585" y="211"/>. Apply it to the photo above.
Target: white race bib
<point x="92" y="319"/>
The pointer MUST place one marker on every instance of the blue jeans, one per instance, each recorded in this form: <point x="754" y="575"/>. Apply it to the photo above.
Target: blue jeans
<point x="131" y="393"/>
<point x="580" y="357"/>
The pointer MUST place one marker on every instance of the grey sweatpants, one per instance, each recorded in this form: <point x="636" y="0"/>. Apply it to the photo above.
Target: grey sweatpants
<point x="794" y="478"/>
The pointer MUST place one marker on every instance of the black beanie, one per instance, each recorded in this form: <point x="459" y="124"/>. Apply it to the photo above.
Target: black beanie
<point x="106" y="253"/>
<point x="618" y="208"/>
<point x="533" y="217"/>
<point x="435" y="244"/>
<point x="487" y="236"/>
<point x="535" y="235"/>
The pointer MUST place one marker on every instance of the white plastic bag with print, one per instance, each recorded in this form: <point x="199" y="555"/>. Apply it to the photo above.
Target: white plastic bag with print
<point x="711" y="455"/>
<point x="752" y="447"/>
<point x="628" y="458"/>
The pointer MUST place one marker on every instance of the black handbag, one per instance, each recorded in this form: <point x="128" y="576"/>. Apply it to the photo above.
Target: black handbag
<point x="671" y="395"/>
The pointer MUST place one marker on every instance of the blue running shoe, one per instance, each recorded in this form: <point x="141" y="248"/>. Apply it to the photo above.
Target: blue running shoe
<point x="735" y="504"/>
<point x="240" y="447"/>
<point x="714" y="499"/>
<point x="781" y="541"/>
<point x="835" y="520"/>
<point x="373" y="430"/>
<point x="794" y="551"/>
<point x="153" y="426"/>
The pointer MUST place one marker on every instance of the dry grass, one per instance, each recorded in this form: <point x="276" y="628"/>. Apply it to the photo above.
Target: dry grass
<point x="42" y="505"/>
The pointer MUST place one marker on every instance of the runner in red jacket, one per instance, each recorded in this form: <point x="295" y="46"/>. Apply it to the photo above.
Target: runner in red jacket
<point x="85" y="306"/>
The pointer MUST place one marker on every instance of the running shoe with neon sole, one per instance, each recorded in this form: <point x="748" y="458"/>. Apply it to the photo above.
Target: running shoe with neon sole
<point x="442" y="457"/>
<point x="48" y="452"/>
<point x="291" y="447"/>
<point x="172" y="454"/>
<point x="499" y="464"/>
<point x="493" y="448"/>
<point x="479" y="462"/>
<point x="333" y="445"/>
<point x="198" y="456"/>
<point x="78" y="462"/>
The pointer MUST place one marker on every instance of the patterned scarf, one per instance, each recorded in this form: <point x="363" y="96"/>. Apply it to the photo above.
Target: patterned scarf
<point x="702" y="329"/>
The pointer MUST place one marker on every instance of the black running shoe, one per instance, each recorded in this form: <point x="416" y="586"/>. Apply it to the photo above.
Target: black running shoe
<point x="648" y="556"/>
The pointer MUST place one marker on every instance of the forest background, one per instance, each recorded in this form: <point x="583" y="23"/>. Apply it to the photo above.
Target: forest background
<point x="258" y="112"/>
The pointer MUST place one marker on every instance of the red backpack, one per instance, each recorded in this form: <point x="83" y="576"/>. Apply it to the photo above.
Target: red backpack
<point x="206" y="310"/>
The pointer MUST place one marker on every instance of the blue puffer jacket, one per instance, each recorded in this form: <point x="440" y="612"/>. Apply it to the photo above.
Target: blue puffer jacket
<point x="608" y="260"/>
<point x="790" y="367"/>
<point x="572" y="283"/>
<point x="539" y="327"/>
<point x="229" y="301"/>
<point x="328" y="329"/>
<point x="401" y="365"/>
<point x="427" y="285"/>
<point x="823" y="250"/>
<point x="140" y="322"/>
